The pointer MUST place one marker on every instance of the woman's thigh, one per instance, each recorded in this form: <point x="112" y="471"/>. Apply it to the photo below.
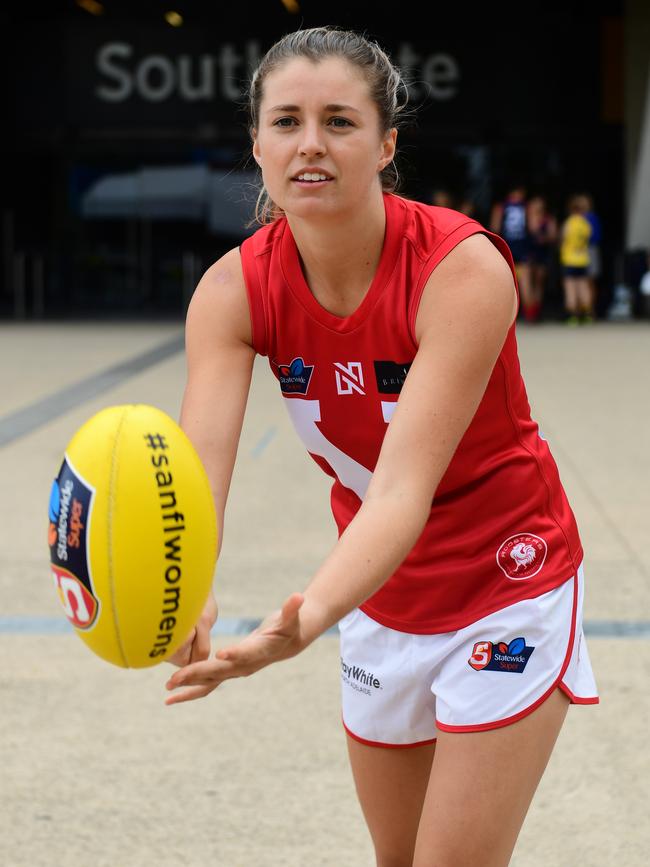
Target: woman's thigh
<point x="391" y="785"/>
<point x="481" y="786"/>
<point x="584" y="291"/>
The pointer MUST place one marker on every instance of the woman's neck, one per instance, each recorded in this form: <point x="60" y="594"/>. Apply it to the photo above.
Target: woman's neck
<point x="339" y="256"/>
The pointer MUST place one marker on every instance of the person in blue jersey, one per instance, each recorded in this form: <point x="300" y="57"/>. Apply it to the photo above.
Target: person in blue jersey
<point x="595" y="241"/>
<point x="509" y="220"/>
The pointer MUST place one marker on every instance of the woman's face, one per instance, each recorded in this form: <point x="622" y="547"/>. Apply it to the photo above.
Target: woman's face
<point x="318" y="120"/>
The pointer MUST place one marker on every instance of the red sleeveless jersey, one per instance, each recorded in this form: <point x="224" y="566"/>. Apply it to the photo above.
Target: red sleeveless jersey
<point x="501" y="528"/>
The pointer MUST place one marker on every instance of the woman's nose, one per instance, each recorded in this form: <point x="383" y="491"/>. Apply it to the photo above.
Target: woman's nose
<point x="312" y="140"/>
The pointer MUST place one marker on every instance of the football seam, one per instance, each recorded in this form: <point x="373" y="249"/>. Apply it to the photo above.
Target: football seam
<point x="112" y="485"/>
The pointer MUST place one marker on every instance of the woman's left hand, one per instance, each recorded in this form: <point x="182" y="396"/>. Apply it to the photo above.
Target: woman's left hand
<point x="278" y="637"/>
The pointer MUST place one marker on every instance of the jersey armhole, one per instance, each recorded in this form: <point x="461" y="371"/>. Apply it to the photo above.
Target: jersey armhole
<point x="504" y="249"/>
<point x="255" y="296"/>
<point x="459" y="234"/>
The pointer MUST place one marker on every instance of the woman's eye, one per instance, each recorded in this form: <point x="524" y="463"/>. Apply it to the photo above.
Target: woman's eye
<point x="284" y="121"/>
<point x="340" y="122"/>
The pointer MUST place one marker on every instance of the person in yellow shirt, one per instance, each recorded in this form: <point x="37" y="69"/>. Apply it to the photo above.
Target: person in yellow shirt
<point x="574" y="259"/>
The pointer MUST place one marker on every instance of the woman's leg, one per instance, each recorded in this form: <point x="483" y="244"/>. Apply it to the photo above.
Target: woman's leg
<point x="480" y="789"/>
<point x="585" y="299"/>
<point x="537" y="283"/>
<point x="524" y="280"/>
<point x="571" y="296"/>
<point x="391" y="785"/>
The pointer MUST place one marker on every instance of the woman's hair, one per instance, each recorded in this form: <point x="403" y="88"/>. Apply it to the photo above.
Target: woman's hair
<point x="578" y="204"/>
<point x="387" y="87"/>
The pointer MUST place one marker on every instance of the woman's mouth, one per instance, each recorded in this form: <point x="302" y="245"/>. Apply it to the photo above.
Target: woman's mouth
<point x="312" y="179"/>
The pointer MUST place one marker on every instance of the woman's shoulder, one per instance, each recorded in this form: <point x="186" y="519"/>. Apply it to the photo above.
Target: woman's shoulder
<point x="220" y="297"/>
<point x="434" y="213"/>
<point x="427" y="226"/>
<point x="264" y="236"/>
<point x="577" y="222"/>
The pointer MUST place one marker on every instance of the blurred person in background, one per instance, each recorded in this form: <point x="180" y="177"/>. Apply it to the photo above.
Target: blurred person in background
<point x="644" y="289"/>
<point x="509" y="220"/>
<point x="574" y="258"/>
<point x="595" y="241"/>
<point x="468" y="207"/>
<point x="442" y="198"/>
<point x="543" y="231"/>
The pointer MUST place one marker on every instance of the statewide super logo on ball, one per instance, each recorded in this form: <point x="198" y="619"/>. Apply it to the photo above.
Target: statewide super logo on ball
<point x="71" y="500"/>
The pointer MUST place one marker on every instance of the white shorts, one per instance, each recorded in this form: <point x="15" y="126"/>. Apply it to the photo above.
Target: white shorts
<point x="400" y="689"/>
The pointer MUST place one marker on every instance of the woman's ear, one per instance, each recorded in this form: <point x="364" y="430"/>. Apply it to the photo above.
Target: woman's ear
<point x="256" y="150"/>
<point x="389" y="146"/>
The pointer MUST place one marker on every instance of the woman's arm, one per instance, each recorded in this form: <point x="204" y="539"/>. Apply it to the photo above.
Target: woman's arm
<point x="219" y="366"/>
<point x="466" y="310"/>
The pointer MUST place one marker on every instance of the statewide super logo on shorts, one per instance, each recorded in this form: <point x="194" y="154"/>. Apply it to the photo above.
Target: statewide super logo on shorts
<point x="71" y="501"/>
<point x="500" y="656"/>
<point x="294" y="377"/>
<point x="522" y="556"/>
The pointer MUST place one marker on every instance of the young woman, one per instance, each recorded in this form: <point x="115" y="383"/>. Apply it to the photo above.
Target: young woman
<point x="510" y="220"/>
<point x="543" y="229"/>
<point x="456" y="580"/>
<point x="574" y="258"/>
<point x="595" y="241"/>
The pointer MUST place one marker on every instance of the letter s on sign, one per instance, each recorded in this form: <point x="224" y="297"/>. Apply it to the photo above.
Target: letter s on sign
<point x="123" y="79"/>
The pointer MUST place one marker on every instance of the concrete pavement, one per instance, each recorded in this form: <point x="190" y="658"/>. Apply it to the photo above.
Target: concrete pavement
<point x="95" y="770"/>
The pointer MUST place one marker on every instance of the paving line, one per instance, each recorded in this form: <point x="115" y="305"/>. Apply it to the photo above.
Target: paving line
<point x="24" y="421"/>
<point x="264" y="441"/>
<point x="28" y="625"/>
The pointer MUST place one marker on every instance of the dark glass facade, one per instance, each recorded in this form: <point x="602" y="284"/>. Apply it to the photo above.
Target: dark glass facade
<point x="126" y="156"/>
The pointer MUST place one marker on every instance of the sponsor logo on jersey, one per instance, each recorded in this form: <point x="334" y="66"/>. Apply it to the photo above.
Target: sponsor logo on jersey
<point x="349" y="377"/>
<point x="390" y="376"/>
<point x="358" y="678"/>
<point x="522" y="556"/>
<point x="501" y="656"/>
<point x="294" y="377"/>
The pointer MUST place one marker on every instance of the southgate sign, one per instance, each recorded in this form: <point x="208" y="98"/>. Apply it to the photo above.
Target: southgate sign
<point x="123" y="75"/>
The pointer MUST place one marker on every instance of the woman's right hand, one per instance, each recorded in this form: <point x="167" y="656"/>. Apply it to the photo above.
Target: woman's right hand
<point x="196" y="646"/>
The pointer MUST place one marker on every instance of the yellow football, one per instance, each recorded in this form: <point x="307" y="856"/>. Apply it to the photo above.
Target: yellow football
<point x="132" y="535"/>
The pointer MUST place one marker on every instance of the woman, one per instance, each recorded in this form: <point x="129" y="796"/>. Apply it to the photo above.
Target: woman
<point x="594" y="268"/>
<point x="509" y="220"/>
<point x="389" y="326"/>
<point x="574" y="258"/>
<point x="543" y="230"/>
